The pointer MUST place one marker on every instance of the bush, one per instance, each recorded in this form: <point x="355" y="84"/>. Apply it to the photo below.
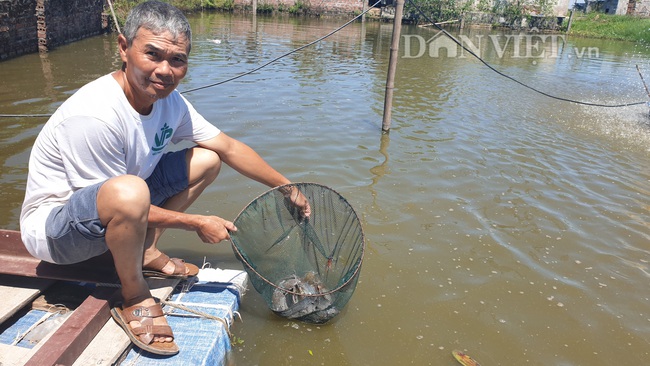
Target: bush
<point x="264" y="8"/>
<point x="226" y="5"/>
<point x="437" y="10"/>
<point x="298" y="8"/>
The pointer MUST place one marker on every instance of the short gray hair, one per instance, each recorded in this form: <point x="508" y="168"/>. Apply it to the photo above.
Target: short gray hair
<point x="157" y="17"/>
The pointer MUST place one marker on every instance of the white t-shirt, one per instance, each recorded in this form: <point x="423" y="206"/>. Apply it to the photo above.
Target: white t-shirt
<point x="96" y="135"/>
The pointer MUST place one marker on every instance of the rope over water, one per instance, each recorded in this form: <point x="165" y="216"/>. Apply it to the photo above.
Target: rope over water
<point x="510" y="77"/>
<point x="286" y="54"/>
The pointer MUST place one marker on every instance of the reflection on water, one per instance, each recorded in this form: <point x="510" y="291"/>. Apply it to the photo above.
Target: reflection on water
<point x="498" y="221"/>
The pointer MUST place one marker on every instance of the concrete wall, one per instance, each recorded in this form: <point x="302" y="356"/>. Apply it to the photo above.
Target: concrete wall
<point x="621" y="7"/>
<point x="28" y="26"/>
<point x="642" y="8"/>
<point x="613" y="7"/>
<point x="561" y="8"/>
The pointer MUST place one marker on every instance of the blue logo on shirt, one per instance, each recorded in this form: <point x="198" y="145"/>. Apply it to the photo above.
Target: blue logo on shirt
<point x="162" y="138"/>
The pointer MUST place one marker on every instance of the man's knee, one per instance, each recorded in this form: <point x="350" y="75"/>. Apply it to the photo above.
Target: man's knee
<point x="126" y="195"/>
<point x="202" y="164"/>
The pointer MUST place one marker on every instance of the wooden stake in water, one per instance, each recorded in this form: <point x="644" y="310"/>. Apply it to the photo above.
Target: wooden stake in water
<point x="392" y="65"/>
<point x="568" y="27"/>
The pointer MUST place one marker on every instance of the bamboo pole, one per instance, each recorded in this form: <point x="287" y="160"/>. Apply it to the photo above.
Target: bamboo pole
<point x="392" y="65"/>
<point x="117" y="25"/>
<point x="568" y="27"/>
<point x="365" y="7"/>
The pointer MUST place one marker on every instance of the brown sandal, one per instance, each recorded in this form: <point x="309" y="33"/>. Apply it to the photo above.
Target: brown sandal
<point x="181" y="269"/>
<point x="143" y="335"/>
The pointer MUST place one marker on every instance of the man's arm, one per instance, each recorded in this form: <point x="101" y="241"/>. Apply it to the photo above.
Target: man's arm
<point x="211" y="229"/>
<point x="249" y="163"/>
<point x="244" y="160"/>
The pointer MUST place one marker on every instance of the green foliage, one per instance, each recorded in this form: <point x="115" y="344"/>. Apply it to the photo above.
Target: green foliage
<point x="512" y="11"/>
<point x="298" y="7"/>
<point x="225" y="5"/>
<point x="437" y="10"/>
<point x="122" y="9"/>
<point x="484" y="5"/>
<point x="619" y="27"/>
<point x="265" y="8"/>
<point x="544" y="7"/>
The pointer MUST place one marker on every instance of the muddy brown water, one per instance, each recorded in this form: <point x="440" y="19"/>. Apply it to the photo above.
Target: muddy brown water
<point x="498" y="221"/>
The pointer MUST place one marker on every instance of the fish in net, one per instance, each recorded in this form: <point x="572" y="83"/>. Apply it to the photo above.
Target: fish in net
<point x="305" y="268"/>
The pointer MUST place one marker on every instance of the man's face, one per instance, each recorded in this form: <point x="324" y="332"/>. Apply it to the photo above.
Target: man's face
<point x="155" y="65"/>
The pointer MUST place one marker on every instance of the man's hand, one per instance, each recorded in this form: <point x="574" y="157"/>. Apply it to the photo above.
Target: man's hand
<point x="297" y="199"/>
<point x="213" y="229"/>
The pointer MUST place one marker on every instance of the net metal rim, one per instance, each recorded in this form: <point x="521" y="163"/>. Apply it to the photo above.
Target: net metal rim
<point x="242" y="258"/>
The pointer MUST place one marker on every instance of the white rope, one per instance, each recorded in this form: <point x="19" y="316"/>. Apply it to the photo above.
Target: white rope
<point x="226" y="308"/>
<point x="20" y="337"/>
<point x="200" y="313"/>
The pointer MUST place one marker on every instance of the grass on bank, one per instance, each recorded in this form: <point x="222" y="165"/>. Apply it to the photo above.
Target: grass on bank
<point x="618" y="27"/>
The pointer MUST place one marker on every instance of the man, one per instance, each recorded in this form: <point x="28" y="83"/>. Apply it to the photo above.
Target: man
<point x="98" y="179"/>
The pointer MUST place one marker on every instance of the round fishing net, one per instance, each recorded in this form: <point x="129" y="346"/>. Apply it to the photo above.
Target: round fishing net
<point x="305" y="268"/>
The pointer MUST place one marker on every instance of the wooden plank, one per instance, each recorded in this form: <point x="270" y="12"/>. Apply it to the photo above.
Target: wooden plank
<point x="18" y="292"/>
<point x="22" y="355"/>
<point x="88" y="337"/>
<point x="72" y="337"/>
<point x="12" y="355"/>
<point x="16" y="260"/>
<point x="111" y="343"/>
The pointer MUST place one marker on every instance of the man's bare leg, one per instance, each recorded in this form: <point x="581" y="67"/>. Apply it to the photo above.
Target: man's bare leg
<point x="203" y="168"/>
<point x="123" y="206"/>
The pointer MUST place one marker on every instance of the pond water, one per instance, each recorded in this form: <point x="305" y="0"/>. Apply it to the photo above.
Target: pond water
<point x="498" y="220"/>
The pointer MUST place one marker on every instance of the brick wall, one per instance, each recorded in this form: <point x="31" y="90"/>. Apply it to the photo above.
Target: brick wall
<point x="17" y="28"/>
<point x="341" y="6"/>
<point x="316" y="6"/>
<point x="28" y="26"/>
<point x="67" y="21"/>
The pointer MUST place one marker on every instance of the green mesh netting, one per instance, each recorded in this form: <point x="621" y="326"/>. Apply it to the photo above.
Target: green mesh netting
<point x="304" y="268"/>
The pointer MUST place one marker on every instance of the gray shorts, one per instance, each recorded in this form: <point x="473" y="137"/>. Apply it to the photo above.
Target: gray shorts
<point x="74" y="231"/>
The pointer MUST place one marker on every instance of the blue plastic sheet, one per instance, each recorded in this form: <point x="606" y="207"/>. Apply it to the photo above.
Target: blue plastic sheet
<point x="202" y="341"/>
